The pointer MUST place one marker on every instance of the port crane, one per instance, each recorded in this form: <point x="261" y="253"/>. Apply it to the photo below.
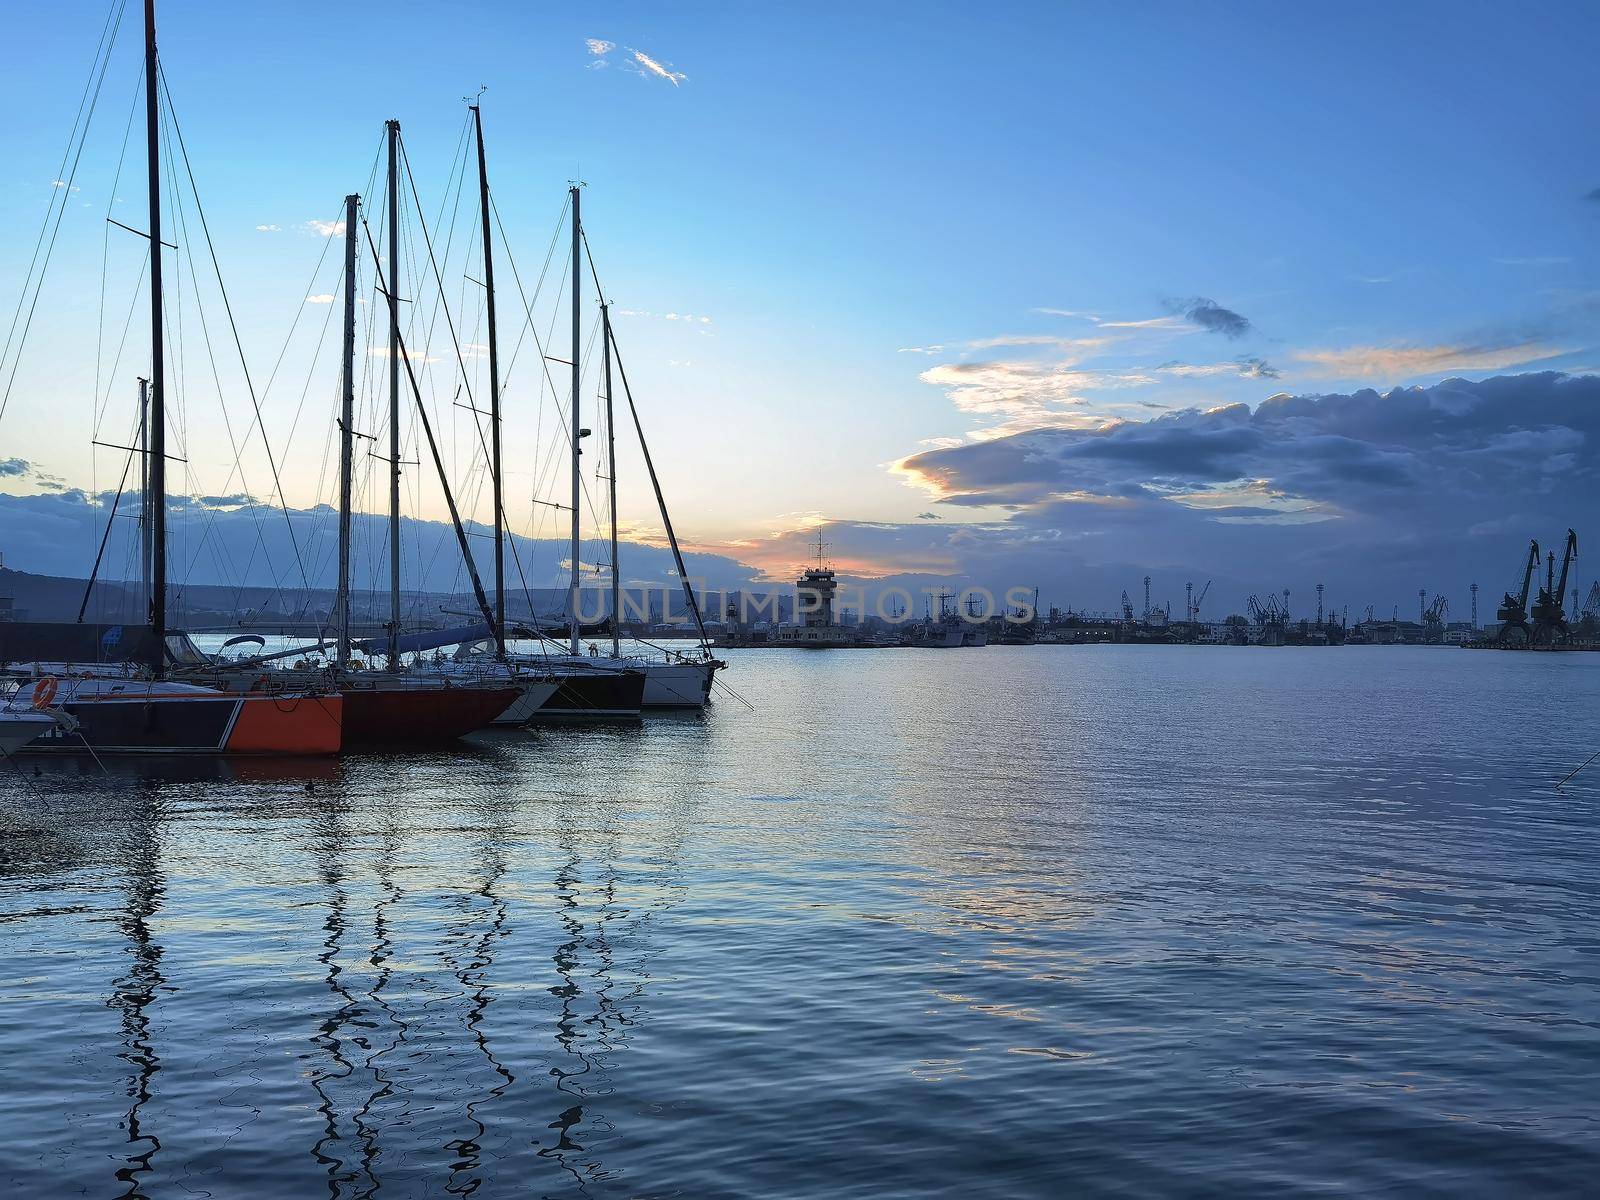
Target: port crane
<point x="1549" y="617"/>
<point x="1271" y="615"/>
<point x="1513" y="611"/>
<point x="1433" y="618"/>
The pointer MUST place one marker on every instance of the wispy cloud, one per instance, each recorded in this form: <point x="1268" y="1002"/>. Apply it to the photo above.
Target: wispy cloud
<point x="1038" y="339"/>
<point x="647" y="65"/>
<point x="1409" y="362"/>
<point x="1147" y="323"/>
<point x="935" y="349"/>
<point x="599" y="46"/>
<point x="269" y="228"/>
<point x="1537" y="260"/>
<point x="322" y="298"/>
<point x="325" y="228"/>
<point x="415" y="358"/>
<point x="13" y="467"/>
<point x="688" y="318"/>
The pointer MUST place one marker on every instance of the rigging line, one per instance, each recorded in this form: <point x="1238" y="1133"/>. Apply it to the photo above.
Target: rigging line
<point x="315" y="354"/>
<point x="103" y="61"/>
<point x="427" y="241"/>
<point x="583" y="361"/>
<point x="221" y="555"/>
<point x="227" y="306"/>
<point x="123" y="341"/>
<point x="528" y="311"/>
<point x="316" y="271"/>
<point x="205" y="331"/>
<point x="538" y="287"/>
<point x="88" y="587"/>
<point x="105" y="259"/>
<point x="442" y="304"/>
<point x="655" y="482"/>
<point x="422" y="221"/>
<point x="455" y="519"/>
<point x="548" y="468"/>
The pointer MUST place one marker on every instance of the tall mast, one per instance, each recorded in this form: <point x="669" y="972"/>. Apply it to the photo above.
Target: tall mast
<point x="611" y="476"/>
<point x="394" y="395"/>
<point x="144" y="491"/>
<point x="347" y="416"/>
<point x="158" y="422"/>
<point x="494" y="401"/>
<point x="577" y="429"/>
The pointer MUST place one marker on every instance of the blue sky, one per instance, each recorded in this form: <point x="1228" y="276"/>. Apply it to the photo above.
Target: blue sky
<point x="886" y="214"/>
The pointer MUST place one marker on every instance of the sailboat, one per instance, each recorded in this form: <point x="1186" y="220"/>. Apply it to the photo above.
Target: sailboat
<point x="121" y="709"/>
<point x="673" y="680"/>
<point x="422" y="704"/>
<point x="583" y="687"/>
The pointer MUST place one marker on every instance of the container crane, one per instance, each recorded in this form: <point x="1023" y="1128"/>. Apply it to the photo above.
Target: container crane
<point x="1513" y="611"/>
<point x="1549" y="617"/>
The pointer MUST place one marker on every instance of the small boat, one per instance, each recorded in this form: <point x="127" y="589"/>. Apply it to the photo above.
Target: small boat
<point x="570" y="685"/>
<point x="384" y="708"/>
<point x="672" y="680"/>
<point x="608" y="689"/>
<point x="121" y="713"/>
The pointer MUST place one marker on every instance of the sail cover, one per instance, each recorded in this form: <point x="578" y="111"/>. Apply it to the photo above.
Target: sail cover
<point x="428" y="639"/>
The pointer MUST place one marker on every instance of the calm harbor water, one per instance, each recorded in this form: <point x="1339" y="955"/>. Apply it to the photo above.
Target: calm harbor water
<point x="1019" y="921"/>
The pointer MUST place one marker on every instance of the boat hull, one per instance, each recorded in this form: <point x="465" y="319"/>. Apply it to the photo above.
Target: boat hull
<point x="677" y="684"/>
<point x="151" y="722"/>
<point x="530" y="699"/>
<point x="17" y="730"/>
<point x="377" y="716"/>
<point x="592" y="695"/>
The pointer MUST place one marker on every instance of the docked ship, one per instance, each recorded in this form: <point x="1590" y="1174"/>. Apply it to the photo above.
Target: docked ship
<point x="946" y="633"/>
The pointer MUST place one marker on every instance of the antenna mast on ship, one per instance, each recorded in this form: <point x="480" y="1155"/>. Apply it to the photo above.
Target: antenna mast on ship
<point x="158" y="421"/>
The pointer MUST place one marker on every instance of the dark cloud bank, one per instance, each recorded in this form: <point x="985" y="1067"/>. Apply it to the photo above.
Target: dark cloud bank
<point x="1375" y="494"/>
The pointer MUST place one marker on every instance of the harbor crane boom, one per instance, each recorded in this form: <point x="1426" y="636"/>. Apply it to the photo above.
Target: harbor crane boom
<point x="1549" y="616"/>
<point x="1513" y="611"/>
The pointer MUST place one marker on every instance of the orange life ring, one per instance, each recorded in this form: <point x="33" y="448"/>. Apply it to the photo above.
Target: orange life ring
<point x="44" y="692"/>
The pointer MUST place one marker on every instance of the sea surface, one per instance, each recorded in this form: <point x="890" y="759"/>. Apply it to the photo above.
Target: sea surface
<point x="1010" y="922"/>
